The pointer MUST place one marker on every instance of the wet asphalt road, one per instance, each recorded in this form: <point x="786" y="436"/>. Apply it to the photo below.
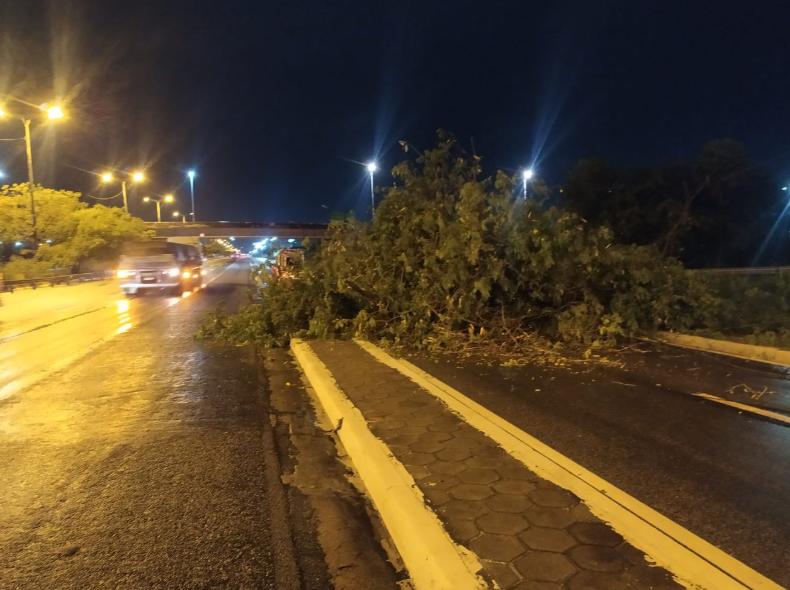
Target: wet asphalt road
<point x="146" y="464"/>
<point x="722" y="474"/>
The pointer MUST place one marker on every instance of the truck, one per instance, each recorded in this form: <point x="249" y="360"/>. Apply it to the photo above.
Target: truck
<point x="289" y="261"/>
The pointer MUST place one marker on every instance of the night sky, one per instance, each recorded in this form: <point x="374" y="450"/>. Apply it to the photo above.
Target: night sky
<point x="274" y="103"/>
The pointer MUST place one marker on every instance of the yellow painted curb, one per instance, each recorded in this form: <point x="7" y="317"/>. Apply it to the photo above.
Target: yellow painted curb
<point x="695" y="562"/>
<point x="741" y="350"/>
<point x="434" y="561"/>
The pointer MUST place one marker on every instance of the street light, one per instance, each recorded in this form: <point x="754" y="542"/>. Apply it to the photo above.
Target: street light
<point x="166" y="199"/>
<point x="53" y="113"/>
<point x="372" y="167"/>
<point x="526" y="176"/>
<point x="136" y="177"/>
<point x="191" y="175"/>
<point x="177" y="214"/>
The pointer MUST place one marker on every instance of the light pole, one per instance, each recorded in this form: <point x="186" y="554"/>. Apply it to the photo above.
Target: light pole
<point x="191" y="175"/>
<point x="372" y="167"/>
<point x="526" y="176"/>
<point x="177" y="214"/>
<point x="158" y="202"/>
<point x="136" y="177"/>
<point x="53" y="113"/>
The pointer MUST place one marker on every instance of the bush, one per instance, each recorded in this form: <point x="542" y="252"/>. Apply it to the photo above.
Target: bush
<point x="453" y="258"/>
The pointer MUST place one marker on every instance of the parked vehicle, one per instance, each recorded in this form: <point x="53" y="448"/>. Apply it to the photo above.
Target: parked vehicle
<point x="159" y="266"/>
<point x="289" y="261"/>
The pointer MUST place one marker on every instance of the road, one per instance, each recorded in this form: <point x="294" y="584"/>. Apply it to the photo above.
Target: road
<point x="722" y="474"/>
<point x="146" y="463"/>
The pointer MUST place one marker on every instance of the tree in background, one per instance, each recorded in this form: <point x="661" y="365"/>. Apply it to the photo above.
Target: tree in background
<point x="70" y="231"/>
<point x="712" y="211"/>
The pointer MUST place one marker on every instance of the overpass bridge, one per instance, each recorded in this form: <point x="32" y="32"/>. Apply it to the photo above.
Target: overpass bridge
<point x="236" y="229"/>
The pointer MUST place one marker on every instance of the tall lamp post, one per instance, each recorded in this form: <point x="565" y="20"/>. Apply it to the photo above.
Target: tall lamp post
<point x="53" y="113"/>
<point x="372" y="167"/>
<point x="158" y="202"/>
<point x="136" y="177"/>
<point x="526" y="176"/>
<point x="191" y="176"/>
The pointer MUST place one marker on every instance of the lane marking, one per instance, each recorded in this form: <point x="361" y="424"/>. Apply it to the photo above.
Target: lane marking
<point x="783" y="418"/>
<point x="433" y="560"/>
<point x="694" y="561"/>
<point x="26" y="381"/>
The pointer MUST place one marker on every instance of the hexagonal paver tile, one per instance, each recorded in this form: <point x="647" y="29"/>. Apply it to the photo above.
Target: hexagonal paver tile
<point x="453" y="454"/>
<point x="444" y="425"/>
<point x="502" y="523"/>
<point x="586" y="580"/>
<point x="511" y="469"/>
<point x="556" y="518"/>
<point x="463" y="509"/>
<point x="583" y="514"/>
<point x="403" y="438"/>
<point x="419" y="472"/>
<point x="478" y="475"/>
<point x="514" y="486"/>
<point x="447" y="467"/>
<point x="461" y="530"/>
<point x="414" y="402"/>
<point x="596" y="558"/>
<point x="441" y="481"/>
<point x="438" y="437"/>
<point x="390" y="425"/>
<point x="553" y="498"/>
<point x="425" y="446"/>
<point x="496" y="547"/>
<point x="546" y="539"/>
<point x="470" y="491"/>
<point x="508" y="503"/>
<point x="436" y="497"/>
<point x="545" y="566"/>
<point x="595" y="533"/>
<point x="410" y="458"/>
<point x="504" y="575"/>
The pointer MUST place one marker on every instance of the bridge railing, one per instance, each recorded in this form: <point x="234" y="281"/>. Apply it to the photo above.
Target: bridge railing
<point x="53" y="280"/>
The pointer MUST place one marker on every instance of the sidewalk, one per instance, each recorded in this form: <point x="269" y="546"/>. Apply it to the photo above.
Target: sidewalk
<point x="525" y="531"/>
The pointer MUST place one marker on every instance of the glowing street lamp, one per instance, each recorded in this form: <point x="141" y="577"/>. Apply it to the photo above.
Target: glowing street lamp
<point x="526" y="176"/>
<point x="372" y="166"/>
<point x="158" y="202"/>
<point x="53" y="112"/>
<point x="136" y="177"/>
<point x="191" y="175"/>
<point x="177" y="214"/>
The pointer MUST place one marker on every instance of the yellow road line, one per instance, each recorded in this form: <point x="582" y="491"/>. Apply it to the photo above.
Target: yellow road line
<point x="694" y="561"/>
<point x="434" y="561"/>
<point x="745" y="407"/>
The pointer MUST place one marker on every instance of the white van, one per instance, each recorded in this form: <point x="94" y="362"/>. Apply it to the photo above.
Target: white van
<point x="159" y="266"/>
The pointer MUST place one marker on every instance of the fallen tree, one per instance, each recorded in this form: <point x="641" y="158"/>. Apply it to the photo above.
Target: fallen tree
<point x="455" y="259"/>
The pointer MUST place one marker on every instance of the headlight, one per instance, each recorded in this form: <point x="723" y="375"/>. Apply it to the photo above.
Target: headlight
<point x="124" y="274"/>
<point x="173" y="272"/>
<point x="186" y="274"/>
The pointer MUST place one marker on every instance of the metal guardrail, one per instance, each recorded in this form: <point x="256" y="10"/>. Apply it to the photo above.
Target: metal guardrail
<point x="54" y="280"/>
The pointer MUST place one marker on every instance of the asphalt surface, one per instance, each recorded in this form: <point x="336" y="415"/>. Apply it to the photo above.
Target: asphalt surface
<point x="722" y="474"/>
<point x="146" y="464"/>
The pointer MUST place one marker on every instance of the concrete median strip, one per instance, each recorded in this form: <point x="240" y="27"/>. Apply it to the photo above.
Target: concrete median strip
<point x="695" y="562"/>
<point x="432" y="558"/>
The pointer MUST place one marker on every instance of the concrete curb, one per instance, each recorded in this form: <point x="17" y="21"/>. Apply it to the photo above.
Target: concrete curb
<point x="433" y="560"/>
<point x="750" y="352"/>
<point x="695" y="562"/>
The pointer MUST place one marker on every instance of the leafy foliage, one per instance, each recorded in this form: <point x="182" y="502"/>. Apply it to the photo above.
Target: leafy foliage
<point x="450" y="257"/>
<point x="76" y="232"/>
